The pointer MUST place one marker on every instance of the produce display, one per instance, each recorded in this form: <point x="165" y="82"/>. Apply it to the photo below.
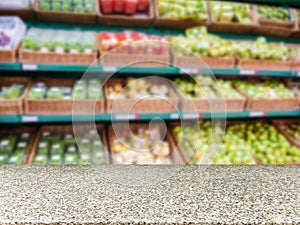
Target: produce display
<point x="13" y="148"/>
<point x="270" y="89"/>
<point x="59" y="41"/>
<point x="200" y="43"/>
<point x="81" y="90"/>
<point x="185" y="10"/>
<point x="11" y="92"/>
<point x="129" y="42"/>
<point x="12" y="30"/>
<point x="261" y="49"/>
<point x="274" y="13"/>
<point x="128" y="7"/>
<point x="54" y="148"/>
<point x="294" y="130"/>
<point x="133" y="89"/>
<point x="143" y="147"/>
<point x="231" y="12"/>
<point x="76" y="6"/>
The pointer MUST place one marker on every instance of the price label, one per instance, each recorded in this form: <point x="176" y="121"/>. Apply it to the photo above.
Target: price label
<point x="29" y="67"/>
<point x="257" y="114"/>
<point x="298" y="74"/>
<point x="30" y="119"/>
<point x="191" y="70"/>
<point x="248" y="72"/>
<point x="191" y="116"/>
<point x="127" y="117"/>
<point x="109" y="69"/>
<point x="174" y="116"/>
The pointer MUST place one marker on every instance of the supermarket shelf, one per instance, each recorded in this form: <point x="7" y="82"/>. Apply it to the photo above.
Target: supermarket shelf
<point x="144" y="117"/>
<point x="142" y="70"/>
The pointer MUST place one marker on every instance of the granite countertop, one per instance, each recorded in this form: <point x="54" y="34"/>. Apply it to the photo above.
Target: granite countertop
<point x="149" y="195"/>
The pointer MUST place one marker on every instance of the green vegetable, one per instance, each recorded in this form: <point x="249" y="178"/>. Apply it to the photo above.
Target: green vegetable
<point x="274" y="13"/>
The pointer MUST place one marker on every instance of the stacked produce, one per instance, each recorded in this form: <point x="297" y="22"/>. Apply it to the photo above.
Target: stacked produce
<point x="12" y="92"/>
<point x="274" y="13"/>
<point x="135" y="89"/>
<point x="142" y="147"/>
<point x="81" y="90"/>
<point x="12" y="30"/>
<point x="59" y="41"/>
<point x="77" y="6"/>
<point x="13" y="148"/>
<point x="128" y="7"/>
<point x="231" y="12"/>
<point x="129" y="42"/>
<point x="54" y="148"/>
<point x="185" y="10"/>
<point x="271" y="89"/>
<point x="261" y="49"/>
<point x="201" y="43"/>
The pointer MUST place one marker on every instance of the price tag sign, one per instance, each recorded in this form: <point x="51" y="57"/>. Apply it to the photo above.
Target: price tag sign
<point x="257" y="114"/>
<point x="190" y="116"/>
<point x="109" y="69"/>
<point x="28" y="119"/>
<point x="174" y="116"/>
<point x="248" y="72"/>
<point x="127" y="117"/>
<point x="298" y="74"/>
<point x="29" y="67"/>
<point x="190" y="70"/>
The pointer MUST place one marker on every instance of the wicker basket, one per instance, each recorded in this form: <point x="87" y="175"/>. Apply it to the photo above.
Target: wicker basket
<point x="26" y="13"/>
<point x="281" y="126"/>
<point x="62" y="106"/>
<point x="202" y="62"/>
<point x="27" y="56"/>
<point x="256" y="64"/>
<point x="232" y="27"/>
<point x="175" y="23"/>
<point x="19" y="130"/>
<point x="9" y="56"/>
<point x="137" y="20"/>
<point x="143" y="105"/>
<point x="175" y="155"/>
<point x="65" y="129"/>
<point x="71" y="17"/>
<point x="13" y="106"/>
<point x="277" y="28"/>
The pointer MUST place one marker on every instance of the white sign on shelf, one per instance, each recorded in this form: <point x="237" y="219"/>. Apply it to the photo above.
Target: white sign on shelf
<point x="191" y="71"/>
<point x="190" y="116"/>
<point x="29" y="67"/>
<point x="126" y="117"/>
<point x="248" y="72"/>
<point x="30" y="119"/>
<point x="174" y="116"/>
<point x="109" y="69"/>
<point x="257" y="114"/>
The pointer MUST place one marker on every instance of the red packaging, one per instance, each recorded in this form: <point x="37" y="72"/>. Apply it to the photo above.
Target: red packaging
<point x="143" y="5"/>
<point x="107" y="6"/>
<point x="130" y="6"/>
<point x="119" y="6"/>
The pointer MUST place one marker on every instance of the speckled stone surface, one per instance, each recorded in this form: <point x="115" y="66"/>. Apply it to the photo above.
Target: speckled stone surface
<point x="149" y="195"/>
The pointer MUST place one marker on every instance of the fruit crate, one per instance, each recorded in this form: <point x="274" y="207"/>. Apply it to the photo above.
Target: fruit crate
<point x="296" y="62"/>
<point x="201" y="62"/>
<point x="29" y="56"/>
<point x="14" y="106"/>
<point x="122" y="129"/>
<point x="62" y="106"/>
<point x="143" y="105"/>
<point x="277" y="28"/>
<point x="282" y="125"/>
<point x="175" y="23"/>
<point x="9" y="55"/>
<point x="136" y="20"/>
<point x="71" y="17"/>
<point x="14" y="130"/>
<point x="66" y="130"/>
<point x="25" y="13"/>
<point x="231" y="26"/>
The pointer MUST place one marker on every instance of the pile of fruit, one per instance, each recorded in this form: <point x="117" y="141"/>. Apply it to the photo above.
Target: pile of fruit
<point x="12" y="92"/>
<point x="274" y="13"/>
<point x="128" y="7"/>
<point x="270" y="89"/>
<point x="135" y="89"/>
<point x="231" y="12"/>
<point x="59" y="41"/>
<point x="261" y="49"/>
<point x="143" y="147"/>
<point x="227" y="91"/>
<point x="185" y="10"/>
<point x="81" y="90"/>
<point x="129" y="42"/>
<point x="200" y="43"/>
<point x="13" y="148"/>
<point x="294" y="130"/>
<point x="54" y="148"/>
<point x="77" y="6"/>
